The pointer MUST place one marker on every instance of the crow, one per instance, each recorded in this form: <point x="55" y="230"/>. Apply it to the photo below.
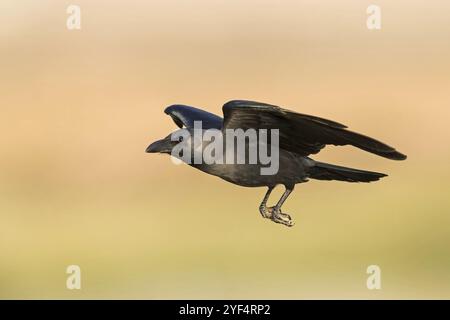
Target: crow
<point x="299" y="136"/>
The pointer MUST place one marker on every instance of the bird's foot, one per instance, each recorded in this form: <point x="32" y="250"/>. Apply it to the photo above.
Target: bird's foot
<point x="279" y="217"/>
<point x="265" y="212"/>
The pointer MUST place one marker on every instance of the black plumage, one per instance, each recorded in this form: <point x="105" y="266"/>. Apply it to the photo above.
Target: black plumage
<point x="300" y="135"/>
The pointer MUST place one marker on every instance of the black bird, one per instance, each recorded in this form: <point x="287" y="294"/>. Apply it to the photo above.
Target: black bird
<point x="300" y="135"/>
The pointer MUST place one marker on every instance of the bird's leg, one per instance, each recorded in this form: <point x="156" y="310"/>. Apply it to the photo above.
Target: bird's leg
<point x="263" y="207"/>
<point x="276" y="214"/>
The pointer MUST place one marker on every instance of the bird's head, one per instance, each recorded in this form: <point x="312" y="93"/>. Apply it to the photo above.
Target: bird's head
<point x="164" y="145"/>
<point x="181" y="144"/>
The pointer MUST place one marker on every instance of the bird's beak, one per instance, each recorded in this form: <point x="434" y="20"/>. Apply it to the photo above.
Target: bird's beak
<point x="161" y="146"/>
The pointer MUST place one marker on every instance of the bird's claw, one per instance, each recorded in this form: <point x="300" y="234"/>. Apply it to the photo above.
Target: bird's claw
<point x="265" y="212"/>
<point x="283" y="218"/>
<point x="277" y="216"/>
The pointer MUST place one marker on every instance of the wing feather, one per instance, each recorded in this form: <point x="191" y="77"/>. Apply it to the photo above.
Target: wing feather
<point x="300" y="133"/>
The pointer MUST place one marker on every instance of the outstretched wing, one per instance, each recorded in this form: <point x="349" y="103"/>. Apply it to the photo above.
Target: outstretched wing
<point x="185" y="116"/>
<point x="300" y="133"/>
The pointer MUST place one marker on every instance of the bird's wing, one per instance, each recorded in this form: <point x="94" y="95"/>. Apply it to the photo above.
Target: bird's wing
<point x="300" y="133"/>
<point x="185" y="116"/>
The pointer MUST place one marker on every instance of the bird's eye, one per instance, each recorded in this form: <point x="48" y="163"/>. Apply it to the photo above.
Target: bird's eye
<point x="180" y="139"/>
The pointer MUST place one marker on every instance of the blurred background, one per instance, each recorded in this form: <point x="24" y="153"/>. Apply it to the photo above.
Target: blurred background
<point x="78" y="108"/>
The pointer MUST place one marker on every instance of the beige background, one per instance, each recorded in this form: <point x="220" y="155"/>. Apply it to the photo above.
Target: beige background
<point x="78" y="109"/>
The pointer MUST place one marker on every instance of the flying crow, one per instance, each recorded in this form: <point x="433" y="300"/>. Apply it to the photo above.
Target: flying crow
<point x="298" y="136"/>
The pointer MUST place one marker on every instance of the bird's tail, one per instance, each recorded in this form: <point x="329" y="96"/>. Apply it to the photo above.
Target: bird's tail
<point x="325" y="171"/>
